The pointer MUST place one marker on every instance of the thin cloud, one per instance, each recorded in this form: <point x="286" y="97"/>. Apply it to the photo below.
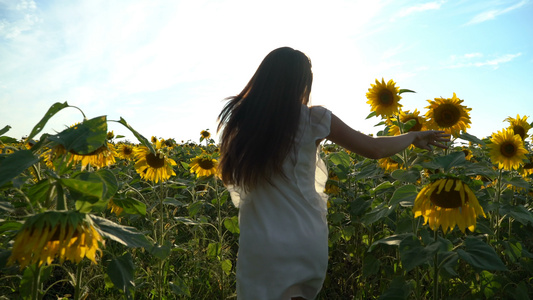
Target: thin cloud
<point x="20" y="17"/>
<point x="495" y="62"/>
<point x="493" y="13"/>
<point x="419" y="8"/>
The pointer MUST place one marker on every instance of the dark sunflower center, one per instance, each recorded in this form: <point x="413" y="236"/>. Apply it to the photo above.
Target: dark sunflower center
<point x="447" y="115"/>
<point x="451" y="199"/>
<point x="205" y="134"/>
<point x="386" y="98"/>
<point x="155" y="161"/>
<point x="520" y="131"/>
<point x="206" y="164"/>
<point x="127" y="150"/>
<point x="466" y="152"/>
<point x="528" y="166"/>
<point x="508" y="149"/>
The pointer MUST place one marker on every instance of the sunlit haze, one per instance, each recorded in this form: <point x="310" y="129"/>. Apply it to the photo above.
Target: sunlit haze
<point x="166" y="66"/>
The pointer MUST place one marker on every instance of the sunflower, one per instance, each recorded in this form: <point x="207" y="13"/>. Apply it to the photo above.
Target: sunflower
<point x="332" y="185"/>
<point x="102" y="157"/>
<point x="205" y="134"/>
<point x="329" y="148"/>
<point x="507" y="149"/>
<point x="114" y="208"/>
<point x="447" y="202"/>
<point x="406" y="116"/>
<point x="125" y="151"/>
<point x="448" y="115"/>
<point x="153" y="166"/>
<point x="203" y="165"/>
<point x="170" y="143"/>
<point x="519" y="126"/>
<point x="388" y="164"/>
<point x="67" y="235"/>
<point x="467" y="152"/>
<point x="527" y="168"/>
<point x="384" y="98"/>
<point x="110" y="135"/>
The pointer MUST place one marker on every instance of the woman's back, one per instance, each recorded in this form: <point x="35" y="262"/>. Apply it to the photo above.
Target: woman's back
<point x="283" y="243"/>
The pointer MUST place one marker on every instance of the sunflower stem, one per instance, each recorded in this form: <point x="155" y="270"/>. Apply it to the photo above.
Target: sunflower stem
<point x="220" y="237"/>
<point x="161" y="238"/>
<point x="436" y="270"/>
<point x="77" y="288"/>
<point x="27" y="199"/>
<point x="35" y="285"/>
<point x="498" y="196"/>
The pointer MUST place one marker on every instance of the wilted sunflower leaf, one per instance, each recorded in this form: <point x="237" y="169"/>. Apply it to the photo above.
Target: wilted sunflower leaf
<point x="139" y="136"/>
<point x="83" y="138"/>
<point x="125" y="235"/>
<point x="55" y="108"/>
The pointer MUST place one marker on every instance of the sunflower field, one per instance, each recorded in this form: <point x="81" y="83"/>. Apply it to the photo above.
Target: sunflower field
<point x="85" y="214"/>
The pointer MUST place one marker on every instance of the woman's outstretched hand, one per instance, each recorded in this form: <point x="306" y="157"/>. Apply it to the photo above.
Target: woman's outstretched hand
<point x="426" y="139"/>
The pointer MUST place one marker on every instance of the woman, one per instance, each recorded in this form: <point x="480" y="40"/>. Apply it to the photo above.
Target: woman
<point x="270" y="163"/>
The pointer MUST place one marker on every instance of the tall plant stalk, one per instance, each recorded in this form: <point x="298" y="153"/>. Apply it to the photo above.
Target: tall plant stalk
<point x="436" y="269"/>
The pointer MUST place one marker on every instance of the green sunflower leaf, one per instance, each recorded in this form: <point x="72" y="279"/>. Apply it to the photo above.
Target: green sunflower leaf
<point x="93" y="190"/>
<point x="179" y="287"/>
<point x="5" y="129"/>
<point x="371" y="265"/>
<point x="54" y="109"/>
<point x="399" y="289"/>
<point x="413" y="254"/>
<point x="410" y="175"/>
<point x="131" y="206"/>
<point x="141" y="138"/>
<point x="404" y="195"/>
<point x="13" y="164"/>
<point x="447" y="162"/>
<point x="232" y="224"/>
<point x="518" y="182"/>
<point x="372" y="114"/>
<point x="393" y="240"/>
<point x="480" y="255"/>
<point x="468" y="137"/>
<point x="518" y="212"/>
<point x="121" y="271"/>
<point x="378" y="213"/>
<point x="405" y="91"/>
<point x="408" y="125"/>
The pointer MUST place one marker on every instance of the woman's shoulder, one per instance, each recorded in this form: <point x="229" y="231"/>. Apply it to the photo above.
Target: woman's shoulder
<point x="319" y="119"/>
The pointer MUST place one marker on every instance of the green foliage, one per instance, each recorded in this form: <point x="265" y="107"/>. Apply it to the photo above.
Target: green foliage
<point x="179" y="239"/>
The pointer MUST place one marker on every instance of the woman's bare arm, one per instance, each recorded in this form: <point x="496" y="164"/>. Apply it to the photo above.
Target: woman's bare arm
<point x="383" y="146"/>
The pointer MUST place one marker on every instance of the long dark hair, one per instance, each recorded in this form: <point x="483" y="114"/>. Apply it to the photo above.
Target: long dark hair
<point x="259" y="124"/>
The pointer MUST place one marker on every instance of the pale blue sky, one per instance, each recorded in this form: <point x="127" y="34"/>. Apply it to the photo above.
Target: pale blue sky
<point x="166" y="66"/>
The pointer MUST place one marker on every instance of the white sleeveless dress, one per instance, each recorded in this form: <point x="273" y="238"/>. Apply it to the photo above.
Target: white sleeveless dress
<point x="283" y="245"/>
